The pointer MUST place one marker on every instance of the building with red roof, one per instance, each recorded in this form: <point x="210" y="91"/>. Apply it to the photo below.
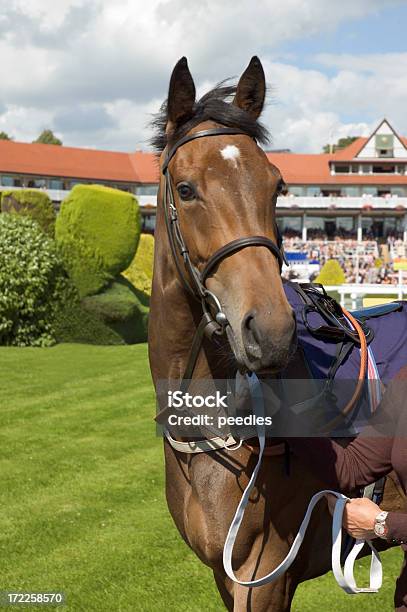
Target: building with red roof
<point x="358" y="191"/>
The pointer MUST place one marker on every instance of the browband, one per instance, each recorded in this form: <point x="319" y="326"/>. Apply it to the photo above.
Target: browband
<point x="210" y="132"/>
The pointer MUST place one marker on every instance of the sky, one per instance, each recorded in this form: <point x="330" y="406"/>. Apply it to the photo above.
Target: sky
<point x="94" y="71"/>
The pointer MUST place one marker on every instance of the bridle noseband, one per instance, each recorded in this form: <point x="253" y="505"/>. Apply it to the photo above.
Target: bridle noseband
<point x="195" y="284"/>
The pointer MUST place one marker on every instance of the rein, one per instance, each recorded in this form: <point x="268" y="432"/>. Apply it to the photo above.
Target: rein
<point x="344" y="577"/>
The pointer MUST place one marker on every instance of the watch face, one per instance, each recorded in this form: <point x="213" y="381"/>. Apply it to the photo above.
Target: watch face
<point x="380" y="529"/>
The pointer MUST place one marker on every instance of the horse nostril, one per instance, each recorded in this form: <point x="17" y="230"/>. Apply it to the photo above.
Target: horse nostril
<point x="268" y="341"/>
<point x="251" y="332"/>
<point x="249" y="320"/>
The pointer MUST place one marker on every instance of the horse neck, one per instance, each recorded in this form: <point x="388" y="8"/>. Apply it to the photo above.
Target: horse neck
<point x="174" y="317"/>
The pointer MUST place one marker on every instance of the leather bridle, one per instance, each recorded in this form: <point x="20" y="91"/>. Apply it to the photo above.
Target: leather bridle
<point x="192" y="279"/>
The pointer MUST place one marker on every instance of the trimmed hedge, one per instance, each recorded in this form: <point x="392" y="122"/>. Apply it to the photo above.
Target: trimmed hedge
<point x="97" y="230"/>
<point x="140" y="271"/>
<point x="32" y="283"/>
<point x="331" y="273"/>
<point x="73" y="323"/>
<point x="123" y="308"/>
<point x="30" y="203"/>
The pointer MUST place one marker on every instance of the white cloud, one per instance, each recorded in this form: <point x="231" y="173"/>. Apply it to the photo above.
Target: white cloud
<point x="115" y="59"/>
<point x="308" y="105"/>
<point x="24" y="123"/>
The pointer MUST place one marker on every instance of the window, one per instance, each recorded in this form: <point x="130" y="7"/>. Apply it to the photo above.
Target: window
<point x="56" y="184"/>
<point x="316" y="223"/>
<point x="147" y="190"/>
<point x="355" y="169"/>
<point x="366" y="168"/>
<point x="148" y="223"/>
<point x="296" y="191"/>
<point x="7" y="181"/>
<point x="331" y="192"/>
<point x="367" y="227"/>
<point x="290" y="226"/>
<point x="399" y="191"/>
<point x="350" y="192"/>
<point x="345" y="223"/>
<point x="342" y="169"/>
<point x="384" y="169"/>
<point x="37" y="183"/>
<point x="384" y="145"/>
<point x="372" y="191"/>
<point x="313" y="191"/>
<point x="386" y="153"/>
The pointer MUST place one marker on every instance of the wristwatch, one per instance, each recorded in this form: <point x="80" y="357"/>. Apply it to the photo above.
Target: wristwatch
<point x="380" y="527"/>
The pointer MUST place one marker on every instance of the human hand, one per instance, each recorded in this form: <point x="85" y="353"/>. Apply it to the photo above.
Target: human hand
<point x="359" y="518"/>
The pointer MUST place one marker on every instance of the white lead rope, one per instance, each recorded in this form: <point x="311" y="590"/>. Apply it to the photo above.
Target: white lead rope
<point x="345" y="578"/>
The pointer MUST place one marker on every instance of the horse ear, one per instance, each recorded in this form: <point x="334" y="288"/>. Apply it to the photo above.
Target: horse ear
<point x="181" y="95"/>
<point x="251" y="89"/>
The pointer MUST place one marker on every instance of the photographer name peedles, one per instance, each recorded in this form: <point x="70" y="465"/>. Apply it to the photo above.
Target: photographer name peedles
<point x="202" y="420"/>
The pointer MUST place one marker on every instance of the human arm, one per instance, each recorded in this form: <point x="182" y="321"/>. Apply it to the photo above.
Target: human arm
<point x="362" y="462"/>
<point x="368" y="457"/>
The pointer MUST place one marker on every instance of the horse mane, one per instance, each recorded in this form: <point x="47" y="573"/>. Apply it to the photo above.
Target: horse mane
<point x="216" y="106"/>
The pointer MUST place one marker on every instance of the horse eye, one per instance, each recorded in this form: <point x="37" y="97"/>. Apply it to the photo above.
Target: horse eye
<point x="186" y="191"/>
<point x="281" y="186"/>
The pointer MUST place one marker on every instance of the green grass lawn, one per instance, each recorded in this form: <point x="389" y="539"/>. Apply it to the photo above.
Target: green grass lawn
<point x="82" y="491"/>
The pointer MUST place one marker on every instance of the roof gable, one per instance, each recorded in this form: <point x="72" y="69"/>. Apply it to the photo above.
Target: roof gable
<point x="384" y="138"/>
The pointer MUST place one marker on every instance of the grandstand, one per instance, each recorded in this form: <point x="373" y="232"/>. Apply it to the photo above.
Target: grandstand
<point x="334" y="202"/>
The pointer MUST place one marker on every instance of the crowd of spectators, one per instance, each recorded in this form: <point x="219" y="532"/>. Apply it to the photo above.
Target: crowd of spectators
<point x="366" y="262"/>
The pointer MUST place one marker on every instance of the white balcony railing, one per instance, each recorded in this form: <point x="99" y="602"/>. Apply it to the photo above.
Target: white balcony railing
<point x="342" y="202"/>
<point x="284" y="202"/>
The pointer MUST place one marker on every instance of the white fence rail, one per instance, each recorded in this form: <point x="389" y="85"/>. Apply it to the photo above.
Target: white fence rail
<point x="355" y="293"/>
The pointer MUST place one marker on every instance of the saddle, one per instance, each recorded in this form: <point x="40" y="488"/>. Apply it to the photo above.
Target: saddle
<point x="330" y="346"/>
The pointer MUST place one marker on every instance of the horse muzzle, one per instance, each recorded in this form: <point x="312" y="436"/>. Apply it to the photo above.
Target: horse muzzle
<point x="268" y="341"/>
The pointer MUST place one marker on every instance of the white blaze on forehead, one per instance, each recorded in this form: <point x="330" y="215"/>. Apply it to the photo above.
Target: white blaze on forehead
<point x="230" y="152"/>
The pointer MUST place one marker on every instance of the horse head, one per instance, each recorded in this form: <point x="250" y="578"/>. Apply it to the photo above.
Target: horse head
<point x="223" y="188"/>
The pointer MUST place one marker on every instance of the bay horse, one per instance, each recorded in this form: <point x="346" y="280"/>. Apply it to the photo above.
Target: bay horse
<point x="223" y="190"/>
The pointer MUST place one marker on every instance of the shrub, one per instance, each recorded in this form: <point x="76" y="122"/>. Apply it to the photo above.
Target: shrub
<point x="140" y="271"/>
<point x="31" y="203"/>
<point x="98" y="230"/>
<point x="123" y="308"/>
<point x="331" y="273"/>
<point x="32" y="283"/>
<point x="73" y="323"/>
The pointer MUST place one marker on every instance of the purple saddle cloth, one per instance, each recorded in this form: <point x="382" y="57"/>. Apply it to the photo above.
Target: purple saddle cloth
<point x="389" y="344"/>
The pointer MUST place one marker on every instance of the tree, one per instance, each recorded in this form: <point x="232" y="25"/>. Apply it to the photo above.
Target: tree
<point x="331" y="274"/>
<point x="5" y="136"/>
<point x="341" y="144"/>
<point x="48" y="137"/>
